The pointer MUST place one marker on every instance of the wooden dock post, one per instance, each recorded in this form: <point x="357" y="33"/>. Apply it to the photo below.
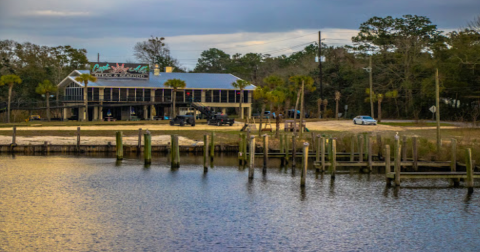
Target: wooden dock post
<point x="387" y="164"/>
<point x="252" y="158"/>
<point x="78" y="140"/>
<point x="404" y="149"/>
<point x="360" y="148"/>
<point x="453" y="164"/>
<point x="304" y="164"/>
<point x="352" y="149"/>
<point x="119" y="145"/>
<point x="322" y="154"/>
<point x="333" y="159"/>
<point x="370" y="160"/>
<point x="245" y="159"/>
<point x="318" y="148"/>
<point x="366" y="136"/>
<point x="175" y="152"/>
<point x="147" y="149"/>
<point x="287" y="149"/>
<point x="205" y="153"/>
<point x="14" y="136"/>
<point x="212" y="146"/>
<point x="469" y="165"/>
<point x="139" y="144"/>
<point x="397" y="157"/>
<point x="415" y="153"/>
<point x="240" y="149"/>
<point x="265" y="152"/>
<point x="380" y="147"/>
<point x="46" y="149"/>
<point x="294" y="147"/>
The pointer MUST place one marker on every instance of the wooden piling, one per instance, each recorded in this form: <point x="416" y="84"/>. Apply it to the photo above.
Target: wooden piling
<point x="245" y="159"/>
<point x="205" y="153"/>
<point x="304" y="164"/>
<point x="380" y="147"/>
<point x="240" y="149"/>
<point x="294" y="147"/>
<point x="318" y="148"/>
<point x="366" y="136"/>
<point x="333" y="160"/>
<point x="387" y="164"/>
<point x="265" y="152"/>
<point x="119" y="145"/>
<point x="352" y="149"/>
<point x="252" y="157"/>
<point x="360" y="148"/>
<point x="404" y="149"/>
<point x="453" y="164"/>
<point x="78" y="140"/>
<point x="397" y="161"/>
<point x="212" y="146"/>
<point x="415" y="153"/>
<point x="175" y="152"/>
<point x="370" y="160"/>
<point x="322" y="154"/>
<point x="14" y="136"/>
<point x="287" y="149"/>
<point x="147" y="149"/>
<point x="469" y="165"/>
<point x="46" y="150"/>
<point x="139" y="144"/>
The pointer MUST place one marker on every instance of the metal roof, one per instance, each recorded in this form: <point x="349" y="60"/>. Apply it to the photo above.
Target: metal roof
<point x="193" y="81"/>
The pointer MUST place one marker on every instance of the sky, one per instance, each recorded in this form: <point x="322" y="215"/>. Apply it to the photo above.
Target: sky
<point x="113" y="27"/>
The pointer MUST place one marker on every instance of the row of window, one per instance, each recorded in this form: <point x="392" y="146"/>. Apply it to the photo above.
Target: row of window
<point x="161" y="95"/>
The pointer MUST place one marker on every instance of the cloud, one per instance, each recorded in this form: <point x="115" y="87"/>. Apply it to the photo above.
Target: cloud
<point x="52" y="13"/>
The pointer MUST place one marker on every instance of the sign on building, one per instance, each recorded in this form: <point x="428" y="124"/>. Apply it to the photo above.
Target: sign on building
<point x="119" y="70"/>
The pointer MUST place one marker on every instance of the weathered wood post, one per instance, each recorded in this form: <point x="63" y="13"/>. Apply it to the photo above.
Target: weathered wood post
<point x="304" y="164"/>
<point x="175" y="152"/>
<point x="370" y="151"/>
<point x="322" y="154"/>
<point x="318" y="148"/>
<point x="352" y="149"/>
<point x="360" y="148"/>
<point x="294" y="147"/>
<point x="252" y="157"/>
<point x="287" y="149"/>
<point x="404" y="149"/>
<point x="313" y="141"/>
<point x="265" y="152"/>
<point x="46" y="149"/>
<point x="387" y="164"/>
<point x="453" y="162"/>
<point x="78" y="140"/>
<point x="205" y="153"/>
<point x="333" y="160"/>
<point x="212" y="146"/>
<point x="468" y="163"/>
<point x="282" y="149"/>
<point x="119" y="145"/>
<point x="139" y="144"/>
<point x="398" y="152"/>
<point x="380" y="147"/>
<point x="14" y="136"/>
<point x="365" y="145"/>
<point x="147" y="149"/>
<point x="245" y="159"/>
<point x="329" y="149"/>
<point x="415" y="153"/>
<point x="240" y="149"/>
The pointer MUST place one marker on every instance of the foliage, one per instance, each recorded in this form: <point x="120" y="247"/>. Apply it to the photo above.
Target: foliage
<point x="45" y="87"/>
<point x="155" y="51"/>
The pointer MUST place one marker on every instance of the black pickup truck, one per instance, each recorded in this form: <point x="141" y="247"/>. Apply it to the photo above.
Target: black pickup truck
<point x="220" y="119"/>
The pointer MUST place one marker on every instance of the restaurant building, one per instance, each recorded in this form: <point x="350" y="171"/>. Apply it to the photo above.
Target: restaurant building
<point x="132" y="92"/>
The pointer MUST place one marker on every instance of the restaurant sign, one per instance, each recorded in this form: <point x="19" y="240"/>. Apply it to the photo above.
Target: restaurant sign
<point x="122" y="70"/>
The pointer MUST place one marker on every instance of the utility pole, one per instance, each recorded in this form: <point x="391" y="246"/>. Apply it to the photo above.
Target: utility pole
<point x="98" y="57"/>
<point x="370" y="70"/>
<point x="320" y="62"/>
<point x="437" y="104"/>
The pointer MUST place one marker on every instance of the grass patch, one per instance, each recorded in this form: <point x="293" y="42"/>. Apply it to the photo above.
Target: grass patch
<point x="413" y="124"/>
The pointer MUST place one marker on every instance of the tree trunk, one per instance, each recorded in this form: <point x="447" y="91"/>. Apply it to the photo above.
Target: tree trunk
<point x="295" y="113"/>
<point x="47" y="95"/>
<point x="379" y="111"/>
<point x="336" y="109"/>
<point x="240" y="106"/>
<point x="85" y="97"/>
<point x="301" y="108"/>
<point x="10" y="87"/>
<point x="287" y="107"/>
<point x="173" y="102"/>
<point x="261" y="118"/>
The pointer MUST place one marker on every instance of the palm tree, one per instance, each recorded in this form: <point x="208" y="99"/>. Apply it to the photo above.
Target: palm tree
<point x="380" y="99"/>
<point x="175" y="84"/>
<point x="325" y="103"/>
<point x="319" y="106"/>
<point x="45" y="88"/>
<point x="85" y="78"/>
<point x="10" y="80"/>
<point x="337" y="99"/>
<point x="240" y="85"/>
<point x="278" y="97"/>
<point x="263" y="94"/>
<point x="301" y="82"/>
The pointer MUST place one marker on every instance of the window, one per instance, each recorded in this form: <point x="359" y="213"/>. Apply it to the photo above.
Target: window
<point x="168" y="95"/>
<point x="197" y="95"/>
<point x="147" y="95"/>
<point x="245" y="97"/>
<point x="131" y="94"/>
<point x="237" y="96"/>
<point x="224" y="95"/>
<point x="188" y="95"/>
<point x="107" y="94"/>
<point x="231" y="96"/>
<point x="158" y="95"/>
<point x="90" y="94"/>
<point x="208" y="96"/>
<point x="123" y="94"/>
<point x="96" y="94"/>
<point x="179" y="96"/>
<point x="139" y="94"/>
<point x="216" y="96"/>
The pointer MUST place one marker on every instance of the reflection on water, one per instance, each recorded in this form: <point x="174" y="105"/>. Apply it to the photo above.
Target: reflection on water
<point x="59" y="203"/>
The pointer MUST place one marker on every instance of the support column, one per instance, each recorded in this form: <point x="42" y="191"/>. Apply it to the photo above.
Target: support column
<point x="65" y="114"/>
<point x="145" y="112"/>
<point x="81" y="114"/>
<point x="95" y="113"/>
<point x="249" y="112"/>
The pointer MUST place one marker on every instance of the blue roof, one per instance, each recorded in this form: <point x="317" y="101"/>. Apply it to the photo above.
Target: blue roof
<point x="193" y="80"/>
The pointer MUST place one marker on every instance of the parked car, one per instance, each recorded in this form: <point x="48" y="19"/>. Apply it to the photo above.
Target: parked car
<point x="269" y="114"/>
<point x="364" y="120"/>
<point x="220" y="119"/>
<point x="182" y="120"/>
<point x="291" y="113"/>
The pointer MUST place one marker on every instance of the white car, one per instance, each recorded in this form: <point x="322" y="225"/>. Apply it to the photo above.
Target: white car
<point x="364" y="120"/>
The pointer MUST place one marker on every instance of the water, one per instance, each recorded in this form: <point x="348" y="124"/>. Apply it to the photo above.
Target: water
<point x="67" y="203"/>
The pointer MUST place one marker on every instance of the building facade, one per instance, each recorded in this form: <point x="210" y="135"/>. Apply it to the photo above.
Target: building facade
<point x="131" y="92"/>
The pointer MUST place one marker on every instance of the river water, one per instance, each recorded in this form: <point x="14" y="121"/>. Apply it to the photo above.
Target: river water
<point x="68" y="203"/>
